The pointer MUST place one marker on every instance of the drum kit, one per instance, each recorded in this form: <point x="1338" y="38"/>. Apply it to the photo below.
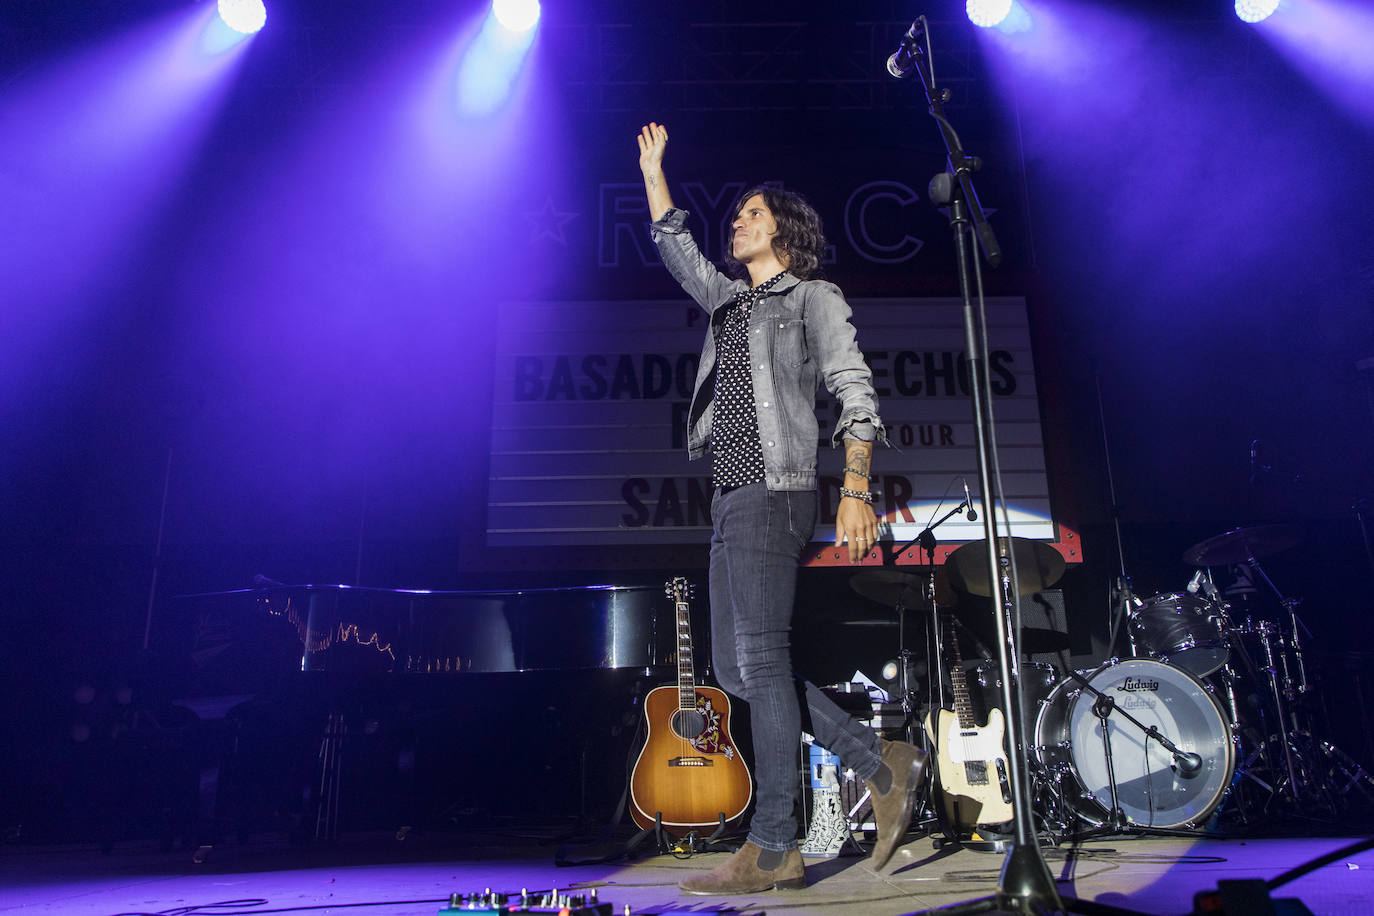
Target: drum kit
<point x="1208" y="718"/>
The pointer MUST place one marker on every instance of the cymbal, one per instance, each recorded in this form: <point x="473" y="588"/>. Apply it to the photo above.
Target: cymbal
<point x="891" y="587"/>
<point x="868" y="623"/>
<point x="1241" y="544"/>
<point x="1035" y="640"/>
<point x="1038" y="566"/>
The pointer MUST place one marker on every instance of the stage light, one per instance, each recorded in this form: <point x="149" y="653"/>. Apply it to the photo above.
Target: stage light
<point x="1256" y="10"/>
<point x="491" y="65"/>
<point x="246" y="16"/>
<point x="987" y="13"/>
<point x="516" y="15"/>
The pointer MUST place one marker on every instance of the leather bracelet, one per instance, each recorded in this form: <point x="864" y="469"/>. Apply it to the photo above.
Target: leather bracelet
<point x="858" y="473"/>
<point x="864" y="495"/>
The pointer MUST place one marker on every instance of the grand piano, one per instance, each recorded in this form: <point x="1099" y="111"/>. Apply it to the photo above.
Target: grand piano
<point x="349" y="629"/>
<point x="405" y="692"/>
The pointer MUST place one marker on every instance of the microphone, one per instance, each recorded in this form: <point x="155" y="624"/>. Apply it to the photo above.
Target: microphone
<point x="1189" y="764"/>
<point x="1254" y="455"/>
<point x="903" y="60"/>
<point x="1195" y="583"/>
<point x="968" y="501"/>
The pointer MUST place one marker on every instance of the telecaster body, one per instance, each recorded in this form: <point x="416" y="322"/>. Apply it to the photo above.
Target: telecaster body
<point x="970" y="759"/>
<point x="971" y="764"/>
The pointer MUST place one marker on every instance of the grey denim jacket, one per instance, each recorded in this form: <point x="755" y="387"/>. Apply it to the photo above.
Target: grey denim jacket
<point x="799" y="333"/>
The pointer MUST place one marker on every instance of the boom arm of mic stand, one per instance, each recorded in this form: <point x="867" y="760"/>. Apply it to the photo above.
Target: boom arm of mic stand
<point x="961" y="165"/>
<point x="1149" y="731"/>
<point x="921" y="539"/>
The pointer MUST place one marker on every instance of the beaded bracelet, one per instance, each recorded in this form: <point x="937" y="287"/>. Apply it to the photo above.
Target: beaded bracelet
<point x="858" y="473"/>
<point x="865" y="495"/>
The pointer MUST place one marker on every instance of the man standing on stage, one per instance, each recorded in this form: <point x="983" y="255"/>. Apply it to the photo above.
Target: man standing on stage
<point x="773" y="335"/>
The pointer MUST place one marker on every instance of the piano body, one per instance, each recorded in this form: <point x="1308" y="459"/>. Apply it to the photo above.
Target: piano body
<point x="407" y="690"/>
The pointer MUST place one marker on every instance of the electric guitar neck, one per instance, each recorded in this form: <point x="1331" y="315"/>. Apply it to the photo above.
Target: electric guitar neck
<point x="971" y="760"/>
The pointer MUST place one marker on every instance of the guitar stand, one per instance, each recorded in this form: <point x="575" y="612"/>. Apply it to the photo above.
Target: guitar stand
<point x="665" y="844"/>
<point x="660" y="836"/>
<point x="717" y="837"/>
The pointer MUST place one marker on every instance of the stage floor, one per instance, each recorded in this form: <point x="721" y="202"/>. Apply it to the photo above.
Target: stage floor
<point x="379" y="874"/>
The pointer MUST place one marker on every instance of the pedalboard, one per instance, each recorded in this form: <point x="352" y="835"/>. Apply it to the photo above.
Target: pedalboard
<point x="553" y="903"/>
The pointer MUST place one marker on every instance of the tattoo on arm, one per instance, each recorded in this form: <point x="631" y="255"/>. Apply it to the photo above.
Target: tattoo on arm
<point x="858" y="455"/>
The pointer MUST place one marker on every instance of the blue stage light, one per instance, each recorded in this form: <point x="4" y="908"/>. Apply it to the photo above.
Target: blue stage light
<point x="987" y="13"/>
<point x="1256" y="10"/>
<point x="246" y="16"/>
<point x="516" y="15"/>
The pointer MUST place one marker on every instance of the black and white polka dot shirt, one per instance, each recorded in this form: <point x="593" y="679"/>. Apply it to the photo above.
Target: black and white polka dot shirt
<point x="738" y="457"/>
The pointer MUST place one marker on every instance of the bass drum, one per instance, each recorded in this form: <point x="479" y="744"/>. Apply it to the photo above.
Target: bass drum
<point x="985" y="687"/>
<point x="1149" y="787"/>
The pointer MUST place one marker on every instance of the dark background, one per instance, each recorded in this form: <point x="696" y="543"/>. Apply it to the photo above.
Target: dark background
<point x="272" y="305"/>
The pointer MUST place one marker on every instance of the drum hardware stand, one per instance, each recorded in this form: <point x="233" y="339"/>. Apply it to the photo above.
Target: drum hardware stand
<point x="935" y="675"/>
<point x="926" y="541"/>
<point x="1122" y="596"/>
<point x="1312" y="775"/>
<point x="1361" y="509"/>
<point x="1285" y="713"/>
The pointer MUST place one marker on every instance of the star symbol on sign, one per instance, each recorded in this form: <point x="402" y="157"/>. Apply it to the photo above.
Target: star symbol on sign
<point x="548" y="222"/>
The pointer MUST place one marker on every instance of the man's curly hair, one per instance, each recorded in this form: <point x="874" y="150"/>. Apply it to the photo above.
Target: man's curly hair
<point x="800" y="240"/>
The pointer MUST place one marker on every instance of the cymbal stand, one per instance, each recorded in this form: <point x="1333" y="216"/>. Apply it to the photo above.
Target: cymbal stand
<point x="936" y="674"/>
<point x="1122" y="591"/>
<point x="1285" y="714"/>
<point x="1315" y="776"/>
<point x="1360" y="507"/>
<point x="926" y="541"/>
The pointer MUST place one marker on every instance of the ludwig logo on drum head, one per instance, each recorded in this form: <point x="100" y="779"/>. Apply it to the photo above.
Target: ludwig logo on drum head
<point x="1132" y="684"/>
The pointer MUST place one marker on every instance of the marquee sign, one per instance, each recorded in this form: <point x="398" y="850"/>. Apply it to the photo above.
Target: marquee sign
<point x="590" y="400"/>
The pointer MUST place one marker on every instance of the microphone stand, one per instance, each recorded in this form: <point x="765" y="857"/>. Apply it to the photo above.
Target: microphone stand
<point x="926" y="541"/>
<point x="1025" y="885"/>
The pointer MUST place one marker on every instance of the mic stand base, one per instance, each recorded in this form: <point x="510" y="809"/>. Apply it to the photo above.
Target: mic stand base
<point x="1027" y="887"/>
<point x="1126" y="828"/>
<point x="995" y="846"/>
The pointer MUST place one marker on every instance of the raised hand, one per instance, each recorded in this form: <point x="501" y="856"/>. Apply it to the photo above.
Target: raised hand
<point x="653" y="141"/>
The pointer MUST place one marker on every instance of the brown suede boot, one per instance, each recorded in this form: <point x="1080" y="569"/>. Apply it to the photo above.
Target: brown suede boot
<point x="892" y="809"/>
<point x="740" y="874"/>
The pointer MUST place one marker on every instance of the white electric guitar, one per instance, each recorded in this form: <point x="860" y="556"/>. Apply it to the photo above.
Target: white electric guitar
<point x="971" y="759"/>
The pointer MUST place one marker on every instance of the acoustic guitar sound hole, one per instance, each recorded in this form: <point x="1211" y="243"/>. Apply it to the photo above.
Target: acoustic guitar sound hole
<point x="689" y="723"/>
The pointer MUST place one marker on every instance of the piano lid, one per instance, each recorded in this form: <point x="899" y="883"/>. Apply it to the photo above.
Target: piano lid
<point x="365" y="629"/>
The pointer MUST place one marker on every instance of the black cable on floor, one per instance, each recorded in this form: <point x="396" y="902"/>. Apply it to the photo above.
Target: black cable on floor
<point x="217" y="909"/>
<point x="1295" y="873"/>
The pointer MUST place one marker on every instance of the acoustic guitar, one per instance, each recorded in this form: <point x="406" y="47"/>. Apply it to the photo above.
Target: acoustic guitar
<point x="689" y="773"/>
<point x="970" y="759"/>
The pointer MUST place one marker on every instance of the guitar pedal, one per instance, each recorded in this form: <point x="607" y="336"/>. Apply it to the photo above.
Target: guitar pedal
<point x="553" y="903"/>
